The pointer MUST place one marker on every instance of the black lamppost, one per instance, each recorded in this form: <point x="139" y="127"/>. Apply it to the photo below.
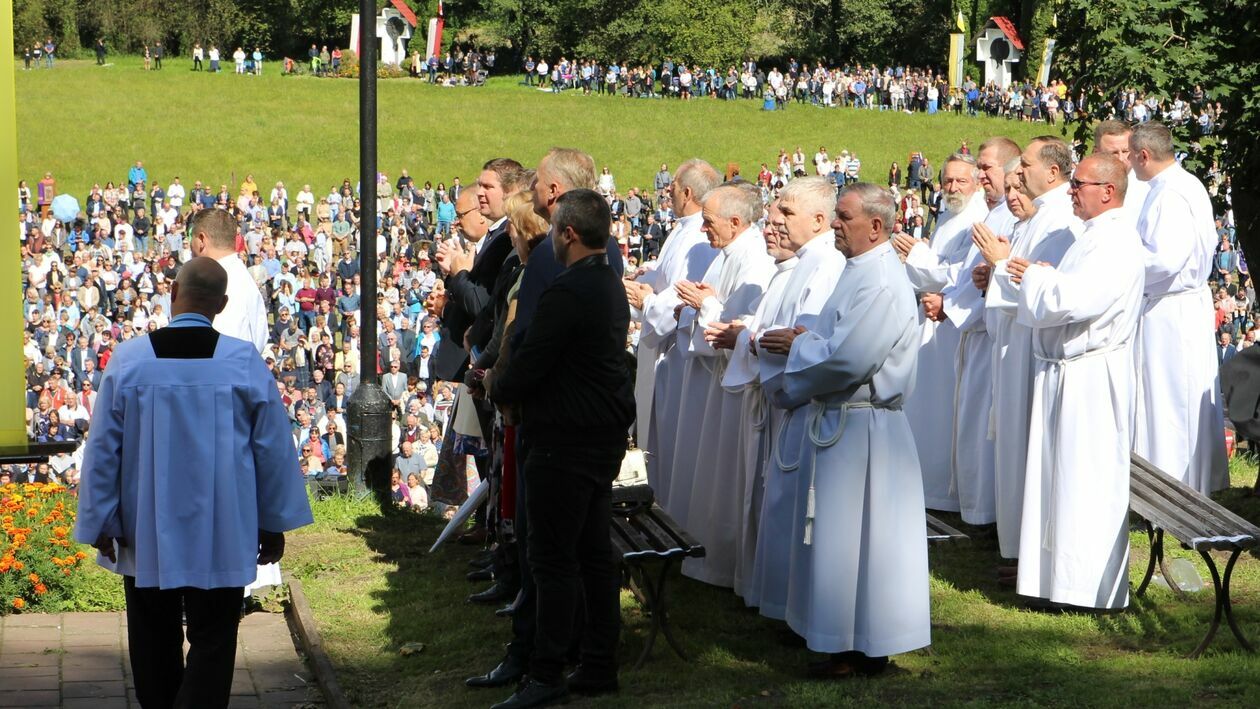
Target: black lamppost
<point x="369" y="409"/>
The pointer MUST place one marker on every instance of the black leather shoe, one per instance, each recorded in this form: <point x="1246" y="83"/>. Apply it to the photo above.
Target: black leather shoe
<point x="482" y="560"/>
<point x="480" y="575"/>
<point x="583" y="681"/>
<point x="510" y="609"/>
<point x="510" y="671"/>
<point x="535" y="694"/>
<point x="492" y="596"/>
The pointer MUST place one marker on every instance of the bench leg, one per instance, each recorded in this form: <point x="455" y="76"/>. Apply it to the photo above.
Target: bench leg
<point x="1156" y="538"/>
<point x="1224" y="606"/>
<point x="654" y="597"/>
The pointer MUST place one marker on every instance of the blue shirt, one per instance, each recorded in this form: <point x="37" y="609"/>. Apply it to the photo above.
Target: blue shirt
<point x="186" y="461"/>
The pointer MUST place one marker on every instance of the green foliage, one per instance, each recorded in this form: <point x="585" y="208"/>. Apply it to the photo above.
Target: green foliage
<point x="1166" y="47"/>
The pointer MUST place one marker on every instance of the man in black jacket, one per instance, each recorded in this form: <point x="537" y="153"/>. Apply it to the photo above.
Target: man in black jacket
<point x="571" y="379"/>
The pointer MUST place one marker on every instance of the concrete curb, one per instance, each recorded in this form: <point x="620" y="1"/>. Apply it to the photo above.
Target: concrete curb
<point x="303" y="620"/>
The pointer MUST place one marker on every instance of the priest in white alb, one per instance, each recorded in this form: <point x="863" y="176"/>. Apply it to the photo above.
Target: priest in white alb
<point x="685" y="256"/>
<point x="705" y="495"/>
<point x="932" y="268"/>
<point x="1074" y="547"/>
<point x="1044" y="235"/>
<point x="858" y="584"/>
<point x="963" y="306"/>
<point x="802" y="221"/>
<point x="742" y="378"/>
<point x="1179" y="425"/>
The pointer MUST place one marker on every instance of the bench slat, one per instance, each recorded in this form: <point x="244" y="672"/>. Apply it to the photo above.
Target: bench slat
<point x="938" y="531"/>
<point x="1215" y="519"/>
<point x="1188" y="515"/>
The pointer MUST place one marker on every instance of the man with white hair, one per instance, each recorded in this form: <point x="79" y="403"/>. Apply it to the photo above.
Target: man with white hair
<point x="858" y="585"/>
<point x="1179" y="424"/>
<point x="702" y="496"/>
<point x="803" y="219"/>
<point x="684" y="257"/>
<point x="1043" y="173"/>
<point x="1074" y="547"/>
<point x="963" y="305"/>
<point x="932" y="268"/>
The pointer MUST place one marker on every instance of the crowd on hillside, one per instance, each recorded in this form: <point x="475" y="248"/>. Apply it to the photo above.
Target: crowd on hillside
<point x="890" y="88"/>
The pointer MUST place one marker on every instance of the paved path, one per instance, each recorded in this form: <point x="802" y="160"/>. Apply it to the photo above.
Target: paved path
<point x="80" y="660"/>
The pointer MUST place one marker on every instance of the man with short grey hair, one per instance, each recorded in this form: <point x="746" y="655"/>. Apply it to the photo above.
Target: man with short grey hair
<point x="1179" y="425"/>
<point x="701" y="498"/>
<point x="858" y="585"/>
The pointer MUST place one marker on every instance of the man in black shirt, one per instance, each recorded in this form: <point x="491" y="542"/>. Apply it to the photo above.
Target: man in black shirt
<point x="571" y="379"/>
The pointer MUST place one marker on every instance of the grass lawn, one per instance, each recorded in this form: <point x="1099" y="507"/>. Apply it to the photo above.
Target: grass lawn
<point x="89" y="124"/>
<point x="373" y="588"/>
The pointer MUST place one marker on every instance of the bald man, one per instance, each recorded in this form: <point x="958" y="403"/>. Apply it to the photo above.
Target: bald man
<point x="189" y="480"/>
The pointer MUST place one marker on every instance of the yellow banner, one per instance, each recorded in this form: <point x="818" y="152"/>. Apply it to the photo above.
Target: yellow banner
<point x="957" y="51"/>
<point x="12" y="376"/>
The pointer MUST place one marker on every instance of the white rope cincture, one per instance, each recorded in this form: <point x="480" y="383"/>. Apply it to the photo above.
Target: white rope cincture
<point x="817" y="412"/>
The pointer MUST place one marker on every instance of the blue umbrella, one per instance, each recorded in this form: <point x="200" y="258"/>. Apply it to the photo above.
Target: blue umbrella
<point x="65" y="208"/>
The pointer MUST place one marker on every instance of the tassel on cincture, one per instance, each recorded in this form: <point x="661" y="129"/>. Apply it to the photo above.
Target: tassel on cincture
<point x="809" y="517"/>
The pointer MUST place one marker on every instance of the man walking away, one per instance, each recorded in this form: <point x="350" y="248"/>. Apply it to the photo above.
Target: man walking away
<point x="189" y="480"/>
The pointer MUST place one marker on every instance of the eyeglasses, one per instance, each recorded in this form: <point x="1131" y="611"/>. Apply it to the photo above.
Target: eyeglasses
<point x="1076" y="184"/>
<point x="460" y="215"/>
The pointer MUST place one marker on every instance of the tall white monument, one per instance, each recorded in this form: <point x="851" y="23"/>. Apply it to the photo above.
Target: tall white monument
<point x="393" y="29"/>
<point x="999" y="47"/>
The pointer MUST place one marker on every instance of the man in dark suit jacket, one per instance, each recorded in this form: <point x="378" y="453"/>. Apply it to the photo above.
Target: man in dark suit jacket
<point x="1225" y="350"/>
<point x="78" y="356"/>
<point x="470" y="285"/>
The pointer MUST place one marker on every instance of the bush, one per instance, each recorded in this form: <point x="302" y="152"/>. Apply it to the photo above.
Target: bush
<point x="40" y="560"/>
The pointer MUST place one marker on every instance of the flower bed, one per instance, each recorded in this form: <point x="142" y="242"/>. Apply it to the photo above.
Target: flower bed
<point x="39" y="560"/>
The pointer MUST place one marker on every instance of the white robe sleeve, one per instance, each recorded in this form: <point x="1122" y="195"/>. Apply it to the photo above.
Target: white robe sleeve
<point x="856" y="349"/>
<point x="100" y="484"/>
<point x="658" y="317"/>
<point x="962" y="302"/>
<point x="1003" y="293"/>
<point x="928" y="272"/>
<point x="1177" y="237"/>
<point x="1052" y="297"/>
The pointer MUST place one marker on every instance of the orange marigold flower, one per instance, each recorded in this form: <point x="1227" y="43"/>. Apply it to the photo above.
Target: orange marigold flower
<point x="65" y="572"/>
<point x="80" y="555"/>
<point x="34" y="578"/>
<point x="18" y="603"/>
<point x="19" y="565"/>
<point x="40" y="589"/>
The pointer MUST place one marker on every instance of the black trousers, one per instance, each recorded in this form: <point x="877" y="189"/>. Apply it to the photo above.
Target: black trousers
<point x="155" y="634"/>
<point x="569" y="498"/>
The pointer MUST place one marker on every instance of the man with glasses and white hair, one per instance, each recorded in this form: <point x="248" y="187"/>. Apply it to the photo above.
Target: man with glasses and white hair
<point x="1179" y="425"/>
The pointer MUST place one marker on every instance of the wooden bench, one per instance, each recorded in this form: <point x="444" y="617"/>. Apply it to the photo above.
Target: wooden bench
<point x="938" y="532"/>
<point x="645" y="536"/>
<point x="1168" y="505"/>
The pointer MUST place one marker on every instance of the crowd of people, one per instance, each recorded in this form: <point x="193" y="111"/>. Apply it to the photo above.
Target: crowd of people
<point x="814" y="362"/>
<point x="870" y="87"/>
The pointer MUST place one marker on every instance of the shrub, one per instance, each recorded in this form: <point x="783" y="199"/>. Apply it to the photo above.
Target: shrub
<point x="39" y="560"/>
